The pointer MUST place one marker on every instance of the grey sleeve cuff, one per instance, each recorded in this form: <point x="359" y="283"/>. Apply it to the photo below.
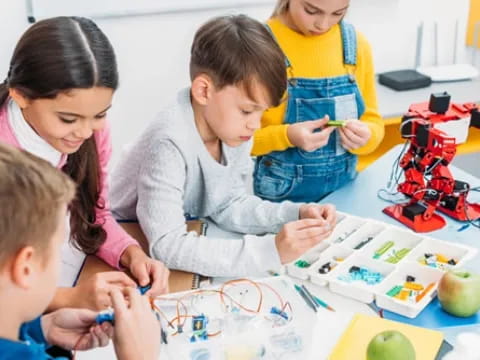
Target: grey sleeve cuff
<point x="264" y="252"/>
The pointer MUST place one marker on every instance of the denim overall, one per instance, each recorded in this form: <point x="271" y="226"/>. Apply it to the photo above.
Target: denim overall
<point x="308" y="176"/>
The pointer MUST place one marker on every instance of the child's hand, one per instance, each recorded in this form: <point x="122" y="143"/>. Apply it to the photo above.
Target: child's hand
<point x="75" y="328"/>
<point x="315" y="211"/>
<point x="296" y="237"/>
<point x="146" y="270"/>
<point x="304" y="136"/>
<point x="354" y="134"/>
<point x="136" y="331"/>
<point x="93" y="292"/>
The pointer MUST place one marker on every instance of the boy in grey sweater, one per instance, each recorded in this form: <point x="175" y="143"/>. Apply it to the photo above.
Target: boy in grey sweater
<point x="192" y="160"/>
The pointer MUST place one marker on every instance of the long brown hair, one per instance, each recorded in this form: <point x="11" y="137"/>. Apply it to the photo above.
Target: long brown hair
<point x="53" y="56"/>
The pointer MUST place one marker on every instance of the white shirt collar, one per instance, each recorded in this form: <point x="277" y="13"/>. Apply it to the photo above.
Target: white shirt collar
<point x="28" y="139"/>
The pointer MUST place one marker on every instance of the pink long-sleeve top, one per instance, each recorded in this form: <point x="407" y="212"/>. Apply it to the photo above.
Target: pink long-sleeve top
<point x="117" y="239"/>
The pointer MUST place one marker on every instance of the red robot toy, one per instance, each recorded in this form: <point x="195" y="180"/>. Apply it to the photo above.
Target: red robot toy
<point x="428" y="182"/>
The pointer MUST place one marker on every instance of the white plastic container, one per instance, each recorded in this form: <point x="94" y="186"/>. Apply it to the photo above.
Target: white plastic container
<point x="345" y="228"/>
<point x="311" y="257"/>
<point x="353" y="230"/>
<point x="402" y="239"/>
<point x="423" y="275"/>
<point x="330" y="255"/>
<point x="358" y="290"/>
<point x="460" y="253"/>
<point x="369" y="230"/>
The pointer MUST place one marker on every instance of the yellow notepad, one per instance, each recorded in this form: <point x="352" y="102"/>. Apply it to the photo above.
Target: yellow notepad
<point x="354" y="341"/>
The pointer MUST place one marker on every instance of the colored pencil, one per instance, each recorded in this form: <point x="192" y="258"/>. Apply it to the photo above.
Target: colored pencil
<point x="323" y="303"/>
<point x="316" y="300"/>
<point x="305" y="298"/>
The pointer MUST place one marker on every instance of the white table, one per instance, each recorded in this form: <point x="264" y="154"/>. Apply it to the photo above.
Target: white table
<point x="353" y="199"/>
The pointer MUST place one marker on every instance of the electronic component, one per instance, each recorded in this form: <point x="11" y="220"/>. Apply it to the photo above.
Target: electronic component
<point x="144" y="289"/>
<point x="277" y="311"/>
<point x="199" y="328"/>
<point x="108" y="315"/>
<point x="105" y="316"/>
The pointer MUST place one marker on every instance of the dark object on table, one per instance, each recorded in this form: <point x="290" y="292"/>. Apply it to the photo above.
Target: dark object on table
<point x="404" y="80"/>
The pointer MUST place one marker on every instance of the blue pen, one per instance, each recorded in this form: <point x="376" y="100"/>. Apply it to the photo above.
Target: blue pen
<point x="305" y="298"/>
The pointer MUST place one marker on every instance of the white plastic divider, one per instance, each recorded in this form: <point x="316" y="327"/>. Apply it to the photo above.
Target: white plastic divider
<point x="364" y="235"/>
<point x="331" y="256"/>
<point x="457" y="252"/>
<point x="401" y="240"/>
<point x="310" y="257"/>
<point x="358" y="289"/>
<point x="352" y="231"/>
<point x="345" y="228"/>
<point x="422" y="275"/>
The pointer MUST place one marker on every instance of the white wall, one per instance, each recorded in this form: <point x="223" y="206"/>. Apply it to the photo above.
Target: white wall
<point x="153" y="50"/>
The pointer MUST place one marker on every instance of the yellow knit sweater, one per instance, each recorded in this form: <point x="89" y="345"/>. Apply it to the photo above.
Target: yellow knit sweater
<point x="319" y="57"/>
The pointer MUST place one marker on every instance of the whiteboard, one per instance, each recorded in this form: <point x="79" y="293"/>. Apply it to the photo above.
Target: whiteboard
<point x="40" y="9"/>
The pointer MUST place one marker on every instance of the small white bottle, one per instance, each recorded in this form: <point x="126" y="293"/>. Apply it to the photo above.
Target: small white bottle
<point x="467" y="347"/>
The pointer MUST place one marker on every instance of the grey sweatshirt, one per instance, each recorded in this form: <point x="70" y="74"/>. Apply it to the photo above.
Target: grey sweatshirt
<point x="168" y="172"/>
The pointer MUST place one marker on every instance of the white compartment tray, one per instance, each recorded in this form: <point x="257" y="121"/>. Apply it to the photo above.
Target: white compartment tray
<point x="359" y="242"/>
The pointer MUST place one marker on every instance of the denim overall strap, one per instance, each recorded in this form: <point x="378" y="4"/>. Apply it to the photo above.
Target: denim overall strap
<point x="349" y="42"/>
<point x="288" y="64"/>
<point x="298" y="175"/>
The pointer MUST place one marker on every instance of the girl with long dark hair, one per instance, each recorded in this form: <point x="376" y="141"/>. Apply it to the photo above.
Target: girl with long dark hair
<point x="54" y="103"/>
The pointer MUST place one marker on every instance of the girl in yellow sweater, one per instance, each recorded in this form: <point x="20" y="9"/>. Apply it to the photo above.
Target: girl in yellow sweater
<point x="300" y="157"/>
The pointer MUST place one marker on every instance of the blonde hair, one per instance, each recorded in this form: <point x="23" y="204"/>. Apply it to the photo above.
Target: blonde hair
<point x="281" y="7"/>
<point x="32" y="193"/>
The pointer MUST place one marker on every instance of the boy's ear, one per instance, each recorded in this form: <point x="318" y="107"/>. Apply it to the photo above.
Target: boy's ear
<point x="17" y="96"/>
<point x="202" y="89"/>
<point x="23" y="267"/>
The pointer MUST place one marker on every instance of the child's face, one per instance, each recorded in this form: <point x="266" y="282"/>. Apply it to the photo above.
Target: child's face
<point x="69" y="119"/>
<point x="47" y="268"/>
<point x="316" y="17"/>
<point x="232" y="115"/>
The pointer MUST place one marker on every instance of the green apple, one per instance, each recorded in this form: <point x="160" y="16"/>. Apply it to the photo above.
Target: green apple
<point x="390" y="345"/>
<point x="459" y="293"/>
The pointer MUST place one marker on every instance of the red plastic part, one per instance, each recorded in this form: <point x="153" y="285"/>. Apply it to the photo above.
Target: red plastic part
<point x="473" y="212"/>
<point x="419" y="224"/>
